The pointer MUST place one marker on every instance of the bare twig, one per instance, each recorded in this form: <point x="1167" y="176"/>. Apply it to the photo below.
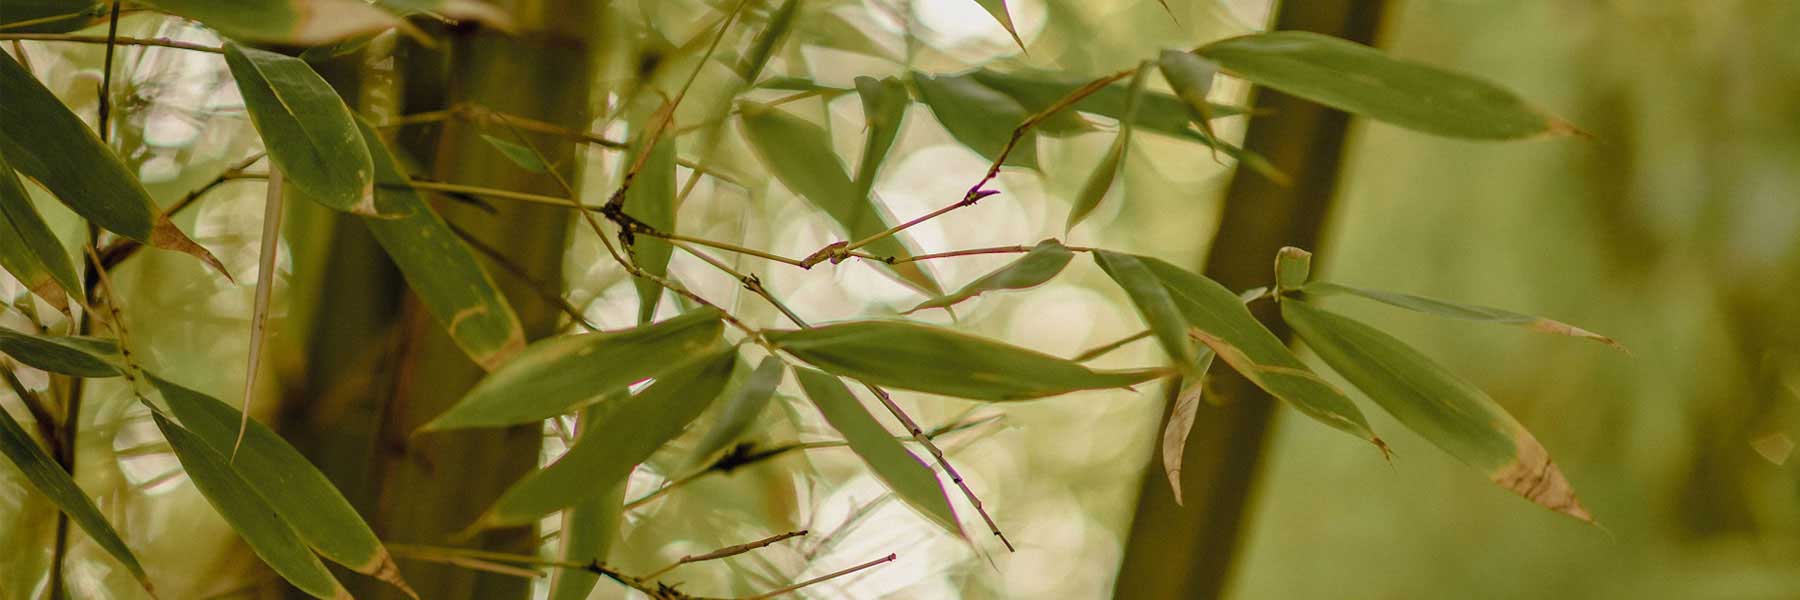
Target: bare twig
<point x="1099" y="351"/>
<point x="725" y="552"/>
<point x="822" y="578"/>
<point x="101" y="39"/>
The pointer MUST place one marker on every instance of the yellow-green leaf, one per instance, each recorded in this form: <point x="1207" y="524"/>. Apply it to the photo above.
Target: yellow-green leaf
<point x="68" y="355"/>
<point x="55" y="484"/>
<point x="902" y="472"/>
<point x="307" y="129"/>
<point x="1043" y="262"/>
<point x="1467" y="312"/>
<point x="47" y="143"/>
<point x="1358" y="79"/>
<point x="767" y="41"/>
<point x="28" y="249"/>
<point x="925" y="358"/>
<point x="651" y="200"/>
<point x="591" y="526"/>
<point x="293" y="22"/>
<point x="1293" y="267"/>
<point x="439" y="267"/>
<point x="1101" y="180"/>
<point x="884" y="103"/>
<point x="997" y="8"/>
<point x="1191" y="77"/>
<point x="628" y="435"/>
<point x="799" y="154"/>
<point x="249" y="514"/>
<point x="978" y="116"/>
<point x="518" y="154"/>
<point x="1434" y="402"/>
<point x="741" y="409"/>
<point x="561" y="374"/>
<point x="1154" y="303"/>
<point x="301" y="495"/>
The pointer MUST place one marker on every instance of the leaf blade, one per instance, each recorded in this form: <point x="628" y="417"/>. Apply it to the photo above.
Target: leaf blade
<point x="1181" y="424"/>
<point x="980" y="117"/>
<point x="28" y="249"/>
<point x="884" y="103"/>
<point x="1454" y="310"/>
<point x="898" y="468"/>
<point x="651" y="200"/>
<point x="77" y="356"/>
<point x="742" y="409"/>
<point x="56" y="485"/>
<point x="1043" y="262"/>
<point x="294" y="22"/>
<point x="1154" y="304"/>
<point x="1101" y="180"/>
<point x="307" y="129"/>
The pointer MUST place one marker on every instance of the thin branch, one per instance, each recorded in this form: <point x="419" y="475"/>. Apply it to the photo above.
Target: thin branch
<point x="726" y="552"/>
<point x="475" y="190"/>
<point x="1099" y="351"/>
<point x="970" y="252"/>
<point x="101" y="39"/>
<point x="942" y="461"/>
<point x="543" y="290"/>
<point x="822" y="578"/>
<point x="728" y="247"/>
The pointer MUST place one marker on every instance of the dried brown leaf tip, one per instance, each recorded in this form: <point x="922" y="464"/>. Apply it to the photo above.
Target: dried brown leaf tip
<point x="1533" y="476"/>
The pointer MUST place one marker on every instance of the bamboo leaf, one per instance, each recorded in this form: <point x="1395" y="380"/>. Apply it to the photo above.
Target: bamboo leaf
<point x="443" y="271"/>
<point x="55" y="484"/>
<point x="1466" y="312"/>
<point x="562" y="374"/>
<point x="519" y="155"/>
<point x="46" y="142"/>
<point x="1043" y="262"/>
<point x="1220" y="315"/>
<point x="799" y="154"/>
<point x="306" y="128"/>
<point x="1191" y="77"/>
<point x="28" y="249"/>
<point x="51" y="16"/>
<point x="651" y="200"/>
<point x="591" y="526"/>
<point x="978" y="116"/>
<point x="1358" y="79"/>
<point x="884" y="103"/>
<point x="1440" y="406"/>
<point x="741" y="409"/>
<point x="77" y="356"/>
<point x="767" y="41"/>
<point x="902" y="472"/>
<point x="1181" y="423"/>
<point x="301" y="495"/>
<point x="997" y="8"/>
<point x="628" y="435"/>
<point x="936" y="360"/>
<point x="1293" y="267"/>
<point x="1154" y="303"/>
<point x="293" y="22"/>
<point x="249" y="514"/>
<point x="1101" y="180"/>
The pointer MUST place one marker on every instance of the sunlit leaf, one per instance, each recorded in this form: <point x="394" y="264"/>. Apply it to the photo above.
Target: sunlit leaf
<point x="769" y="39"/>
<point x="46" y="142"/>
<point x="519" y="155"/>
<point x="821" y="26"/>
<point x="651" y="200"/>
<point x="997" y="8"/>
<point x="1101" y="180"/>
<point x="884" y="103"/>
<point x="1043" y="262"/>
<point x="1434" y="402"/>
<point x="78" y="356"/>
<point x="307" y="129"/>
<point x="1467" y="312"/>
<point x="1154" y="303"/>
<point x="925" y="358"/>
<point x="1191" y="77"/>
<point x="741" y="409"/>
<point x="978" y="116"/>
<point x="439" y="267"/>
<point x="561" y="374"/>
<point x="1355" y="78"/>
<point x="902" y="472"/>
<point x="1220" y="314"/>
<point x="1181" y="422"/>
<point x="295" y="22"/>
<point x="590" y="528"/>
<point x="28" y="249"/>
<point x="249" y="514"/>
<point x="799" y="154"/>
<point x="303" y="497"/>
<point x="55" y="484"/>
<point x="627" y="436"/>
<point x="51" y="16"/>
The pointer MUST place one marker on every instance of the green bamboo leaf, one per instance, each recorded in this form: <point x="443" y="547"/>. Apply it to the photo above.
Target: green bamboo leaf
<point x="55" y="484"/>
<point x="1043" y="262"/>
<point x="249" y="514"/>
<point x="28" y="249"/>
<point x="741" y="409"/>
<point x="997" y="8"/>
<point x="628" y="435"/>
<point x="884" y="103"/>
<point x="51" y="16"/>
<point x="1154" y="303"/>
<point x="1181" y="422"/>
<point x="978" y="116"/>
<point x="68" y="355"/>
<point x="1440" y="406"/>
<point x="1466" y="312"/>
<point x="1101" y="180"/>
<point x="443" y="271"/>
<point x="562" y="374"/>
<point x="1358" y="79"/>
<point x="301" y="495"/>
<point x="1191" y="77"/>
<point x="1293" y="267"/>
<point x="1214" y="312"/>
<point x="915" y="356"/>
<point x="307" y="129"/>
<point x="519" y="155"/>
<point x="902" y="472"/>
<point x="292" y="22"/>
<point x="46" y="142"/>
<point x="591" y="526"/>
<point x="799" y="154"/>
<point x="823" y="27"/>
<point x="802" y="84"/>
<point x="767" y="41"/>
<point x="651" y="200"/>
<point x="454" y="10"/>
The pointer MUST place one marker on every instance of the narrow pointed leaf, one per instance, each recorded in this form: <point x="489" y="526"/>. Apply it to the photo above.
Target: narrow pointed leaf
<point x="902" y="472"/>
<point x="651" y="200"/>
<point x="591" y="526"/>
<point x="28" y="249"/>
<point x="55" y="484"/>
<point x="47" y="143"/>
<point x="1043" y="262"/>
<point x="741" y="409"/>
<point x="1466" y="312"/>
<point x="561" y="374"/>
<point x="270" y="537"/>
<point x="265" y="290"/>
<point x="628" y="435"/>
<point x="519" y="155"/>
<point x="1191" y="77"/>
<point x="306" y="127"/>
<point x="768" y="41"/>
<point x="439" y="267"/>
<point x="1181" y="423"/>
<point x="884" y="103"/>
<point x="799" y="154"/>
<point x="1359" y="79"/>
<point x="293" y="22"/>
<point x="997" y="8"/>
<point x="1101" y="180"/>
<point x="1441" y="407"/>
<point x="936" y="360"/>
<point x="301" y="495"/>
<point x="1218" y="313"/>
<point x="1154" y="303"/>
<point x="978" y="116"/>
<point x="77" y="356"/>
